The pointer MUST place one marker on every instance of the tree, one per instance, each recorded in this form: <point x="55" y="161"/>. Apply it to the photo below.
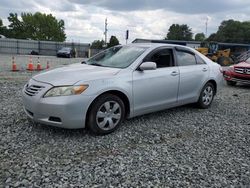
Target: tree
<point x="179" y="32"/>
<point x="212" y="37"/>
<point x="113" y="41"/>
<point x="199" y="37"/>
<point x="3" y="29"/>
<point x="36" y="26"/>
<point x="97" y="44"/>
<point x="232" y="31"/>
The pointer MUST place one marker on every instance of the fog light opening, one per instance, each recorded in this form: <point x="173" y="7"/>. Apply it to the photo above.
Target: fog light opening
<point x="55" y="119"/>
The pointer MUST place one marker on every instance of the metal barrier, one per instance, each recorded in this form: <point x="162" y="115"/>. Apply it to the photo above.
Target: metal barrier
<point x="20" y="46"/>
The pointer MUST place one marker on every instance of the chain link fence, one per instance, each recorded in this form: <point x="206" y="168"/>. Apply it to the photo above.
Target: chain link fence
<point x="19" y="46"/>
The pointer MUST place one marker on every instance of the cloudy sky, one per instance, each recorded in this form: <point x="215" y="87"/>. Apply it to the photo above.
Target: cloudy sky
<point x="84" y="19"/>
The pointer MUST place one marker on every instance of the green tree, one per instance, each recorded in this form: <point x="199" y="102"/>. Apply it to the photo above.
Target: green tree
<point x="199" y="37"/>
<point x="232" y="31"/>
<point x="212" y="37"/>
<point x="3" y="29"/>
<point x="97" y="44"/>
<point x="16" y="27"/>
<point x="179" y="32"/>
<point x="113" y="41"/>
<point x="37" y="26"/>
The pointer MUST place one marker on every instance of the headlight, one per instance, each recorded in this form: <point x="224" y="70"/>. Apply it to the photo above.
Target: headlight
<point x="65" y="90"/>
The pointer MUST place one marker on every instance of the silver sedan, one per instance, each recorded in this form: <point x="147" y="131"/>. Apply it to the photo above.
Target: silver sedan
<point x="121" y="82"/>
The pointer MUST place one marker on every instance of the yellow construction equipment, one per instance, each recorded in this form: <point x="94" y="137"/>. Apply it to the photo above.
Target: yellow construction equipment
<point x="211" y="50"/>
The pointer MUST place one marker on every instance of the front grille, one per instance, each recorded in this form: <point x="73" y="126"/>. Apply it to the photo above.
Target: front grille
<point x="33" y="90"/>
<point x="242" y="70"/>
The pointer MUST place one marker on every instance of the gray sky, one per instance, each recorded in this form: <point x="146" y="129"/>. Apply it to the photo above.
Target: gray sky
<point x="84" y="19"/>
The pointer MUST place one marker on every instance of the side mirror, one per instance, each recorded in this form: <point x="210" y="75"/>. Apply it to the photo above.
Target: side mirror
<point x="147" y="66"/>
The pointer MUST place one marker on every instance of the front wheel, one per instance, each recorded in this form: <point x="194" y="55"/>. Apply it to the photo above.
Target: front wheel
<point x="106" y="114"/>
<point x="206" y="96"/>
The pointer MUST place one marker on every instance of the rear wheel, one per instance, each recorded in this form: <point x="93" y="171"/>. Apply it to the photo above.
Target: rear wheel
<point x="231" y="83"/>
<point x="206" y="96"/>
<point x="106" y="114"/>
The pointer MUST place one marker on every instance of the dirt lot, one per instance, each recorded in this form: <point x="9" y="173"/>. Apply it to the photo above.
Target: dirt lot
<point x="184" y="146"/>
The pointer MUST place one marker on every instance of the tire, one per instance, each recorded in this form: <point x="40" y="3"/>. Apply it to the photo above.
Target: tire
<point x="231" y="83"/>
<point x="206" y="96"/>
<point x="105" y="114"/>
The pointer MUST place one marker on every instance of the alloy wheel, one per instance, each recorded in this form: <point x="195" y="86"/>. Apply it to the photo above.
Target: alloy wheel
<point x="108" y="115"/>
<point x="207" y="95"/>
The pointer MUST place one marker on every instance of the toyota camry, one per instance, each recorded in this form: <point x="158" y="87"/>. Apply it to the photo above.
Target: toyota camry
<point x="121" y="82"/>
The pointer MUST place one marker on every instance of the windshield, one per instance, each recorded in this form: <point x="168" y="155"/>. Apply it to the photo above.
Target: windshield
<point x="117" y="57"/>
<point x="65" y="49"/>
<point x="248" y="60"/>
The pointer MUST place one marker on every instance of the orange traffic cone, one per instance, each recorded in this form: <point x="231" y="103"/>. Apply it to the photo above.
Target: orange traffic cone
<point x="38" y="67"/>
<point x="30" y="65"/>
<point x="47" y="67"/>
<point x="14" y="66"/>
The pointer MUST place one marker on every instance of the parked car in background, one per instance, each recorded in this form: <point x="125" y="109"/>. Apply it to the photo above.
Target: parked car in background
<point x="238" y="73"/>
<point x="33" y="52"/>
<point x="2" y="37"/>
<point x="121" y="82"/>
<point x="66" y="52"/>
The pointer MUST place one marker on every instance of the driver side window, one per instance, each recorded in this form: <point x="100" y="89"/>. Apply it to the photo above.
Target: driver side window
<point x="163" y="58"/>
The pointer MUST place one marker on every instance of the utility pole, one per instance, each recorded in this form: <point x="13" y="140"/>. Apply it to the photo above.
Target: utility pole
<point x="206" y="25"/>
<point x="105" y="32"/>
<point x="127" y="35"/>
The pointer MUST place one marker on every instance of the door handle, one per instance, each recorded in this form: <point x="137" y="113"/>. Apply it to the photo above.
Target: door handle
<point x="174" y="73"/>
<point x="204" y="69"/>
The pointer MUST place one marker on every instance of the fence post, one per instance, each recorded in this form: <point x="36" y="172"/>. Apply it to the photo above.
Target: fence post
<point x="39" y="47"/>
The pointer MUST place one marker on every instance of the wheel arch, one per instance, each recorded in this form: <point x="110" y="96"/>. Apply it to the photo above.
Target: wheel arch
<point x="117" y="93"/>
<point x="214" y="84"/>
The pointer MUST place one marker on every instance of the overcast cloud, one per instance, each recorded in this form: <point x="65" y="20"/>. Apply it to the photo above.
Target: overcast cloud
<point x="84" y="19"/>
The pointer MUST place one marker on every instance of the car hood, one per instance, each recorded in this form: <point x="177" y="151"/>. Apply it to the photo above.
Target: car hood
<point x="71" y="74"/>
<point x="242" y="64"/>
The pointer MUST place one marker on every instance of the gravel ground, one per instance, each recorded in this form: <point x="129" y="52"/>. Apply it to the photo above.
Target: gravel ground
<point x="180" y="147"/>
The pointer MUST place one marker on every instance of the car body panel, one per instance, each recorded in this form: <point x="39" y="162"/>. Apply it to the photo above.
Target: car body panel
<point x="146" y="91"/>
<point x="158" y="96"/>
<point x="192" y="79"/>
<point x="71" y="74"/>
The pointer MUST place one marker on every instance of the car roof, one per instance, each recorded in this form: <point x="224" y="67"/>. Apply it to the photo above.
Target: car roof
<point x="154" y="45"/>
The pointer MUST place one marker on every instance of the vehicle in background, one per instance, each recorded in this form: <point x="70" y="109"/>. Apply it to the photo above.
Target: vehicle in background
<point x="212" y="51"/>
<point x="2" y="37"/>
<point x="33" y="52"/>
<point x="121" y="82"/>
<point x="66" y="52"/>
<point x="238" y="73"/>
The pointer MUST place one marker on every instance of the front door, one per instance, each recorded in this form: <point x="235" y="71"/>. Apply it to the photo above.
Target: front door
<point x="155" y="90"/>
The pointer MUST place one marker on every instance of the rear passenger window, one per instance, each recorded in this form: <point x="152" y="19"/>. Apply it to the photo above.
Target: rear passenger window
<point x="199" y="60"/>
<point x="185" y="58"/>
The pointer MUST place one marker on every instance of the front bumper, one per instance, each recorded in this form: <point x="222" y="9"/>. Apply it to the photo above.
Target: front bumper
<point x="64" y="111"/>
<point x="63" y="55"/>
<point x="230" y="76"/>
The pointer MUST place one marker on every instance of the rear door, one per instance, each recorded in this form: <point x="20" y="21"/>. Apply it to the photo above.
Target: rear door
<point x="194" y="73"/>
